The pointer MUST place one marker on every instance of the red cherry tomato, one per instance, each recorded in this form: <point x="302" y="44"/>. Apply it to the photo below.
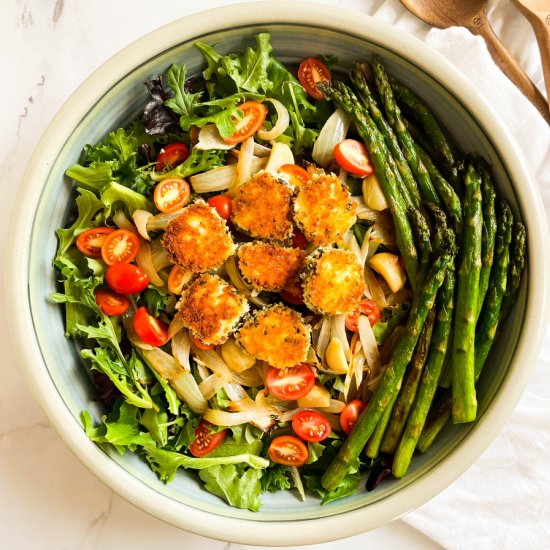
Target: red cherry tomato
<point x="151" y="330"/>
<point x="293" y="294"/>
<point x="254" y="114"/>
<point x="296" y="174"/>
<point x="223" y="205"/>
<point x="90" y="241"/>
<point x="352" y="156"/>
<point x="288" y="450"/>
<point x="111" y="303"/>
<point x="206" y="440"/>
<point x="311" y="426"/>
<point x="350" y="414"/>
<point x="310" y="72"/>
<point x="120" y="247"/>
<point x="199" y="343"/>
<point x="177" y="278"/>
<point x="299" y="240"/>
<point x="171" y="155"/>
<point x="126" y="278"/>
<point x="291" y="383"/>
<point x="366" y="307"/>
<point x="171" y="194"/>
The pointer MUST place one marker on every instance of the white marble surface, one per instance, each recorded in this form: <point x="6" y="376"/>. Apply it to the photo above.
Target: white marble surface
<point x="48" y="47"/>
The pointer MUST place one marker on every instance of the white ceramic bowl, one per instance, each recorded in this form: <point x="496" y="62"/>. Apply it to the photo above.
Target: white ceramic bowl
<point x="113" y="96"/>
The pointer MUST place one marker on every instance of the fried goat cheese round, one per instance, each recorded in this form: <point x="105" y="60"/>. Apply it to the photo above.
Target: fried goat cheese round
<point x="211" y="308"/>
<point x="333" y="281"/>
<point x="323" y="209"/>
<point x="198" y="240"/>
<point x="269" y="266"/>
<point x="277" y="335"/>
<point x="262" y="207"/>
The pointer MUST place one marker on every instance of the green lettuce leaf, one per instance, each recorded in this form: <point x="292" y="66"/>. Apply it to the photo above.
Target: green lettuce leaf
<point x="237" y="486"/>
<point x="275" y="479"/>
<point x="183" y="103"/>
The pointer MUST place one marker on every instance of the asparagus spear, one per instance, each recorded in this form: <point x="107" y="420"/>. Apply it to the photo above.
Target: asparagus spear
<point x="372" y="450"/>
<point x="488" y="234"/>
<point x="390" y="138"/>
<point x="407" y="394"/>
<point x="490" y="314"/>
<point x="432" y="131"/>
<point x="438" y="417"/>
<point x="430" y="376"/>
<point x="393" y="374"/>
<point x="519" y="251"/>
<point x="395" y="120"/>
<point x="463" y="358"/>
<point x="378" y="154"/>
<point x="422" y="233"/>
<point x="444" y="189"/>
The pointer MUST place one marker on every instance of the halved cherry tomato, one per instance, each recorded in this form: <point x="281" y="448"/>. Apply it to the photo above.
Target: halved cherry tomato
<point x="111" y="303"/>
<point x="199" y="343"/>
<point x="352" y="156"/>
<point x="126" y="278"/>
<point x="89" y="242"/>
<point x="291" y="383"/>
<point x="120" y="247"/>
<point x="311" y="426"/>
<point x="171" y="155"/>
<point x="310" y="72"/>
<point x="254" y="114"/>
<point x="223" y="205"/>
<point x="206" y="440"/>
<point x="293" y="295"/>
<point x="350" y="414"/>
<point x="288" y="450"/>
<point x="299" y="240"/>
<point x="171" y="194"/>
<point x="177" y="279"/>
<point x="151" y="330"/>
<point x="296" y="174"/>
<point x="366" y="307"/>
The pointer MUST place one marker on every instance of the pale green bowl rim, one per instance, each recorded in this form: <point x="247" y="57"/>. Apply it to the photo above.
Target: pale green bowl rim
<point x="276" y="532"/>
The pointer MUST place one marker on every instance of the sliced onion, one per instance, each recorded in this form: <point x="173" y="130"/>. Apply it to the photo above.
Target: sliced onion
<point x="220" y="178"/>
<point x="353" y="246"/>
<point x="175" y="327"/>
<point x="333" y="132"/>
<point x="181" y="345"/>
<point x="182" y="381"/>
<point x="214" y="362"/>
<point x="283" y="120"/>
<point x="210" y="385"/>
<point x="160" y="222"/>
<point x="244" y="166"/>
<point x="225" y="418"/>
<point x="270" y="401"/>
<point x="368" y="342"/>
<point x="210" y="138"/>
<point x="339" y="331"/>
<point x="161" y="258"/>
<point x="343" y="176"/>
<point x="374" y="288"/>
<point x="249" y="377"/>
<point x="122" y="222"/>
<point x="324" y="337"/>
<point x="280" y="154"/>
<point x="140" y="218"/>
<point x="238" y="282"/>
<point x="363" y="211"/>
<point x="235" y="392"/>
<point x="365" y="246"/>
<point x="144" y="259"/>
<point x="351" y="370"/>
<point x="261" y="150"/>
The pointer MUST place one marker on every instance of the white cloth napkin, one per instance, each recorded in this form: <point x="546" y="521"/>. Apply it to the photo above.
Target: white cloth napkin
<point x="503" y="500"/>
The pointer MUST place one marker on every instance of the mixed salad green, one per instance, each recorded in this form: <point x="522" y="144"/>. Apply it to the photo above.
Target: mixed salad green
<point x="361" y="177"/>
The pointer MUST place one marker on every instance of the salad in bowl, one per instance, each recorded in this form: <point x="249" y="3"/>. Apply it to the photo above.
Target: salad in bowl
<point x="284" y="277"/>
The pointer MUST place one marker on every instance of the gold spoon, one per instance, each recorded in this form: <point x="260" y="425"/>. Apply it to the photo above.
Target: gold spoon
<point x="472" y="15"/>
<point x="537" y="12"/>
